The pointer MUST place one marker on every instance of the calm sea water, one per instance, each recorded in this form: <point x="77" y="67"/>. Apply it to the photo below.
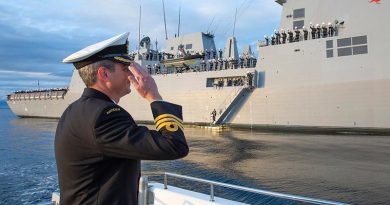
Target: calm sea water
<point x="346" y="168"/>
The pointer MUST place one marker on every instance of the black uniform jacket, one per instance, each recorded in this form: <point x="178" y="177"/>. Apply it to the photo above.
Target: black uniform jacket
<point x="98" y="148"/>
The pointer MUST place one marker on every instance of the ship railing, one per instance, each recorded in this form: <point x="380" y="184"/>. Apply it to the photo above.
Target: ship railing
<point x="38" y="95"/>
<point x="212" y="184"/>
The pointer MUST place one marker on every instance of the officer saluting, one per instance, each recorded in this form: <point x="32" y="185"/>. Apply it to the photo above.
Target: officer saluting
<point x="98" y="145"/>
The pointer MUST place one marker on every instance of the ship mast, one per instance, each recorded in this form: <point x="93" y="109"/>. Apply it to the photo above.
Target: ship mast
<point x="178" y="27"/>
<point x="139" y="29"/>
<point x="234" y="26"/>
<point x="165" y="22"/>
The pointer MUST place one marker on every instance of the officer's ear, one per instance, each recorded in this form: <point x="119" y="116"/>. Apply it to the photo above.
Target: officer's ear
<point x="102" y="73"/>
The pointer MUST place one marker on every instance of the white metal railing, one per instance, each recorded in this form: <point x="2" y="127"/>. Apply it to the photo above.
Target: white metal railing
<point x="143" y="198"/>
<point x="256" y="191"/>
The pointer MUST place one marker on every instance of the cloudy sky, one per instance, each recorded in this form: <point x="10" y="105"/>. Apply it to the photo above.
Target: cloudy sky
<point x="36" y="35"/>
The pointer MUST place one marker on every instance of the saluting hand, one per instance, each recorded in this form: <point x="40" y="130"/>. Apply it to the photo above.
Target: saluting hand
<point x="143" y="83"/>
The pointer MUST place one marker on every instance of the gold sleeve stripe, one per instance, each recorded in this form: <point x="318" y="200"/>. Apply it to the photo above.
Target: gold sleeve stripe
<point x="170" y="126"/>
<point x="166" y="116"/>
<point x="168" y="119"/>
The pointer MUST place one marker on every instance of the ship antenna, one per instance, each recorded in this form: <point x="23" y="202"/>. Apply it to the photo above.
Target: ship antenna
<point x="165" y="22"/>
<point x="139" y="28"/>
<point x="235" y="18"/>
<point x="210" y="24"/>
<point x="178" y="27"/>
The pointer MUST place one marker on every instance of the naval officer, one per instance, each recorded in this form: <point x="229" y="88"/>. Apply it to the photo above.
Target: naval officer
<point x="98" y="145"/>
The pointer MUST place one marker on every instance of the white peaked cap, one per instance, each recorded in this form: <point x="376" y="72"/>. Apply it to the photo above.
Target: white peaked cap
<point x="115" y="48"/>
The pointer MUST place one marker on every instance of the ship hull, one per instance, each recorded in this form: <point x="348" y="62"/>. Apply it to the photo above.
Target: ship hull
<point x="360" y="106"/>
<point x="42" y="108"/>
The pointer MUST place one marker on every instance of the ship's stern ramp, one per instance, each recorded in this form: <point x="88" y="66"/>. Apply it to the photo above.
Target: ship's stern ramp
<point x="231" y="104"/>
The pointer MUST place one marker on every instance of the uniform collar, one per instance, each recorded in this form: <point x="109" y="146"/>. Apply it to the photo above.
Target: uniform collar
<point x="93" y="93"/>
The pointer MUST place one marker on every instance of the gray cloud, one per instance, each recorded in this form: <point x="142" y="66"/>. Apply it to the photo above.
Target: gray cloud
<point x="36" y="35"/>
<point x="11" y="81"/>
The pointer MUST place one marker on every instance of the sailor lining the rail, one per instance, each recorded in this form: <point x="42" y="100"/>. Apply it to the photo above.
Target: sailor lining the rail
<point x="284" y="36"/>
<point x="313" y="31"/>
<point x="305" y="33"/>
<point x="324" y="30"/>
<point x="297" y="34"/>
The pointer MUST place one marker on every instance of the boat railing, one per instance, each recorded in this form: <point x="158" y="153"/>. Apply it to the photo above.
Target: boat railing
<point x="143" y="196"/>
<point x="212" y="184"/>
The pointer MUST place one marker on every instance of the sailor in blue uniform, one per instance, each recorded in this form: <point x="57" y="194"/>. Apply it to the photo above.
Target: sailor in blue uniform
<point x="318" y="29"/>
<point x="290" y="36"/>
<point x="331" y="29"/>
<point x="277" y="36"/>
<point x="98" y="145"/>
<point x="324" y="30"/>
<point x="297" y="34"/>
<point x="313" y="31"/>
<point x="284" y="36"/>
<point x="266" y="40"/>
<point x="305" y="33"/>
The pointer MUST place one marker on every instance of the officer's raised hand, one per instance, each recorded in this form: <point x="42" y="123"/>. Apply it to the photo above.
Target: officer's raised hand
<point x="143" y="83"/>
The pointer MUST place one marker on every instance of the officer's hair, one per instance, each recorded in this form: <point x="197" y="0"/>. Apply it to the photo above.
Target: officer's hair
<point x="88" y="73"/>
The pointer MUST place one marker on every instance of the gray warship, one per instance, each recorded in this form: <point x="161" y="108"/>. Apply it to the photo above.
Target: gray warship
<point x="334" y="78"/>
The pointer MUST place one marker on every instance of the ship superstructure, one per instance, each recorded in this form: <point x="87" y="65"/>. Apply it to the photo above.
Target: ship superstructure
<point x="329" y="81"/>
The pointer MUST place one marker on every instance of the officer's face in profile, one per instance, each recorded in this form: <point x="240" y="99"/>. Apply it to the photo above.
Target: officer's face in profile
<point x="120" y="83"/>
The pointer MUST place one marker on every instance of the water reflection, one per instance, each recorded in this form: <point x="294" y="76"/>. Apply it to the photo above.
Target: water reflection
<point x="344" y="168"/>
<point x="37" y="124"/>
<point x="27" y="169"/>
<point x="352" y="169"/>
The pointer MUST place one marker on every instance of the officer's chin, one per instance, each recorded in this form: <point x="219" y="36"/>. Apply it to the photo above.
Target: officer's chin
<point x="128" y="91"/>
